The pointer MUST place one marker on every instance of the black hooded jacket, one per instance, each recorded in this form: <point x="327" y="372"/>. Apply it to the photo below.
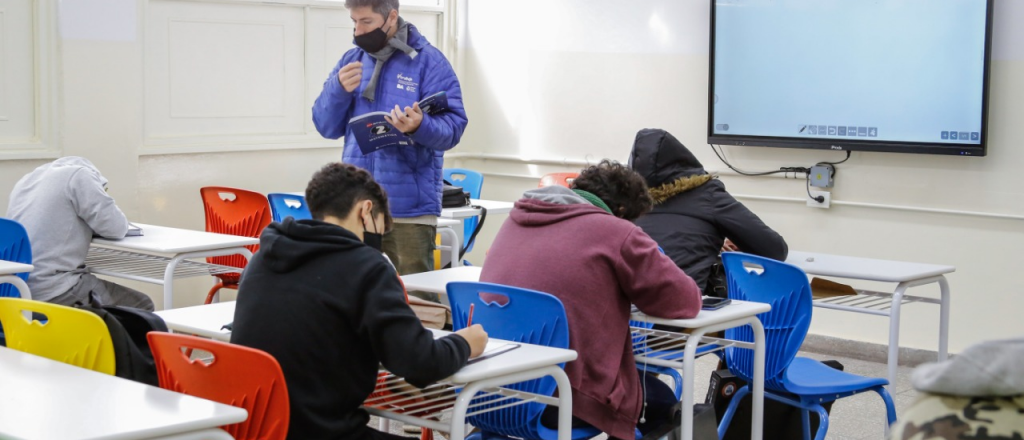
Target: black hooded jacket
<point x="693" y="213"/>
<point x="331" y="310"/>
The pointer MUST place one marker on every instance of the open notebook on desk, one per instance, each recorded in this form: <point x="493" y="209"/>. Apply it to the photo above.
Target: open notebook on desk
<point x="493" y="349"/>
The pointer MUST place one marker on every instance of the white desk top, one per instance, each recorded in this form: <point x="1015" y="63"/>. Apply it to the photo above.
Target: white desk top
<point x="206" y="320"/>
<point x="11" y="268"/>
<point x="45" y="399"/>
<point x="162" y="239"/>
<point x="202" y="320"/>
<point x="869" y="269"/>
<point x="493" y="207"/>
<point x="436" y="281"/>
<point x="526" y="357"/>
<point x="735" y="310"/>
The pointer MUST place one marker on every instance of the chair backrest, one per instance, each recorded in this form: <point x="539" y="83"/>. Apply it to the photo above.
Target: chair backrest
<point x="237" y="375"/>
<point x="288" y="205"/>
<point x="560" y="179"/>
<point x="519" y="315"/>
<point x="69" y="335"/>
<point x="785" y="288"/>
<point x="473" y="183"/>
<point x="14" y="246"/>
<point x="235" y="212"/>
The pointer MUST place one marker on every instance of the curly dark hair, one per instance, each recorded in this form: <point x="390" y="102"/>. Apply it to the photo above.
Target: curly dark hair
<point x="382" y="7"/>
<point x="622" y="189"/>
<point x="337" y="187"/>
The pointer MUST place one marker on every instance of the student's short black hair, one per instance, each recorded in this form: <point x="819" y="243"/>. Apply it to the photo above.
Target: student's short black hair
<point x="337" y="187"/>
<point x="382" y="7"/>
<point x="622" y="189"/>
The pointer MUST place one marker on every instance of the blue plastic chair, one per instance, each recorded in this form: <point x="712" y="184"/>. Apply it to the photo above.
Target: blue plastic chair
<point x="519" y="315"/>
<point x="796" y="381"/>
<point x="473" y="183"/>
<point x="283" y="206"/>
<point x="14" y="246"/>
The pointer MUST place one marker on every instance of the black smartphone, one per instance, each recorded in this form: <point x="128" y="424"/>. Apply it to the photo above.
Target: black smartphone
<point x="713" y="303"/>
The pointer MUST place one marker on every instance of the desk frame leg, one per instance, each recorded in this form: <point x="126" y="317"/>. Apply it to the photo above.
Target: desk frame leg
<point x="173" y="264"/>
<point x="18" y="284"/>
<point x="943" y="319"/>
<point x="894" y="332"/>
<point x="458" y="427"/>
<point x="690" y="354"/>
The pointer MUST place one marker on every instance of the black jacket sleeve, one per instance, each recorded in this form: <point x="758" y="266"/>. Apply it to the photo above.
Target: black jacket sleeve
<point x="745" y="228"/>
<point x="402" y="344"/>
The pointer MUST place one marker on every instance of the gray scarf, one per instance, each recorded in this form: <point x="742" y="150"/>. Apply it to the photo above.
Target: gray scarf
<point x="398" y="42"/>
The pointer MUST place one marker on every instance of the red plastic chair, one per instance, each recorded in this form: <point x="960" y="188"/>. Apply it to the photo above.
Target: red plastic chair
<point x="235" y="212"/>
<point x="560" y="179"/>
<point x="239" y="376"/>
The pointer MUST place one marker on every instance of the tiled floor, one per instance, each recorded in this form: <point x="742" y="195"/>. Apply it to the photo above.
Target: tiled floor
<point x="857" y="417"/>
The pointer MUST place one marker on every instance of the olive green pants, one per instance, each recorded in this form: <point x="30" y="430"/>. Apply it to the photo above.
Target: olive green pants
<point x="411" y="248"/>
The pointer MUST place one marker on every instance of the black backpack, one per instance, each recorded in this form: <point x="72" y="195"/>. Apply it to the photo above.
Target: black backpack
<point x="128" y="327"/>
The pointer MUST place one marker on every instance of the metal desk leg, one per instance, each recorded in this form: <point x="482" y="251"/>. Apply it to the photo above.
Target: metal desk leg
<point x="943" y="319"/>
<point x="690" y="353"/>
<point x="757" y="418"/>
<point x="18" y="284"/>
<point x="454" y="244"/>
<point x="894" y="331"/>
<point x="458" y="427"/>
<point x="169" y="270"/>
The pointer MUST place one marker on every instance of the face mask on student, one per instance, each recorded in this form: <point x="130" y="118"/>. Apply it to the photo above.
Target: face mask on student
<point x="373" y="41"/>
<point x="374" y="240"/>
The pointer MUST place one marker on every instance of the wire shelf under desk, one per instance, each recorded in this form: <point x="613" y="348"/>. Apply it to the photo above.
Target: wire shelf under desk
<point x="146" y="267"/>
<point x="666" y="348"/>
<point x="868" y="301"/>
<point x="395" y="399"/>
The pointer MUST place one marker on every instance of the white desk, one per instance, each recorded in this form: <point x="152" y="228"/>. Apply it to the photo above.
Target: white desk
<point x="49" y="400"/>
<point x="668" y="345"/>
<point x="736" y="314"/>
<point x="493" y="207"/>
<point x="8" y="271"/>
<point x="140" y="259"/>
<point x="420" y="407"/>
<point x="887" y="304"/>
<point x="436" y="281"/>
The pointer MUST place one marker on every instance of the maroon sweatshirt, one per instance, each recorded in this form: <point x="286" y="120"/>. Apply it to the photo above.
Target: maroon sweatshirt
<point x="596" y="264"/>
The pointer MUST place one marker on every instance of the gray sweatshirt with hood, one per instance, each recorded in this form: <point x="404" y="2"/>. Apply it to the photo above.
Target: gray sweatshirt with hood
<point x="62" y="204"/>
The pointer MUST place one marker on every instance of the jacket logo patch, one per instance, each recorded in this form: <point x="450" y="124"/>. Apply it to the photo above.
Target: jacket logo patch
<point x="407" y="83"/>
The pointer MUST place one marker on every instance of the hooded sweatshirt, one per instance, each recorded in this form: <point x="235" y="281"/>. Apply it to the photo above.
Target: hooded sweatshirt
<point x="597" y="264"/>
<point x="693" y="213"/>
<point x="331" y="310"/>
<point x="62" y="205"/>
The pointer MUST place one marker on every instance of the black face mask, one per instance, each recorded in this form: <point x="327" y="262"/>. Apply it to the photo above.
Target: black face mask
<point x="373" y="41"/>
<point x="373" y="239"/>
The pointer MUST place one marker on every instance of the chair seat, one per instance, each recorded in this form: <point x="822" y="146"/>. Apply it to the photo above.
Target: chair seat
<point x="808" y="377"/>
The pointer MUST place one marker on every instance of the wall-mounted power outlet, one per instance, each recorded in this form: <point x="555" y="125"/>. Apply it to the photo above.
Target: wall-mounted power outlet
<point x="824" y="203"/>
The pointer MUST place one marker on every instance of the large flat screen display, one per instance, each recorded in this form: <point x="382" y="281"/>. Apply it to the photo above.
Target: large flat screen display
<point x="906" y="76"/>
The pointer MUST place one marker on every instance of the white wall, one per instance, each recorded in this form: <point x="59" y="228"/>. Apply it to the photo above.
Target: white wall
<point x="167" y="96"/>
<point x="574" y="80"/>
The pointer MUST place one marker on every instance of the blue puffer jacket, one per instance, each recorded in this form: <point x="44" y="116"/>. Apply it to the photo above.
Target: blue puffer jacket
<point x="410" y="175"/>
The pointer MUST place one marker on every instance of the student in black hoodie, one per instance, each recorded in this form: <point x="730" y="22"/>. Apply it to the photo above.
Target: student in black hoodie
<point x="321" y="298"/>
<point x="694" y="217"/>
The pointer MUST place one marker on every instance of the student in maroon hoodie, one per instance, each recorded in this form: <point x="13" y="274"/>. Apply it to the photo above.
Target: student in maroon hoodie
<point x="579" y="245"/>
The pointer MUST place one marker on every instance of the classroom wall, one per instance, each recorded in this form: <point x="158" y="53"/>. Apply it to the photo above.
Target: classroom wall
<point x="553" y="85"/>
<point x="168" y="96"/>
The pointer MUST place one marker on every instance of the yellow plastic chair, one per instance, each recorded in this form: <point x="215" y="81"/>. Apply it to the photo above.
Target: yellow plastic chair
<point x="70" y="335"/>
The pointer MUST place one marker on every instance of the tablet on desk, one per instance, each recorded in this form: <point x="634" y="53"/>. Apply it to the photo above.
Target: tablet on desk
<point x="493" y="349"/>
<point x="133" y="230"/>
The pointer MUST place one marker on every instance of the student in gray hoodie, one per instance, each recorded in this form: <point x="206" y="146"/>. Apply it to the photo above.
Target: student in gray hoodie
<point x="62" y="205"/>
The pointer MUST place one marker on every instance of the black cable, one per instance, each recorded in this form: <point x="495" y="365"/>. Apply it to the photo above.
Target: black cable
<point x="837" y="163"/>
<point x="761" y="173"/>
<point x="819" y="199"/>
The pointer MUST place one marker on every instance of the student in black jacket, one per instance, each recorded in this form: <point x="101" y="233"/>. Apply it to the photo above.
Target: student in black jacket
<point x="321" y="298"/>
<point x="694" y="217"/>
